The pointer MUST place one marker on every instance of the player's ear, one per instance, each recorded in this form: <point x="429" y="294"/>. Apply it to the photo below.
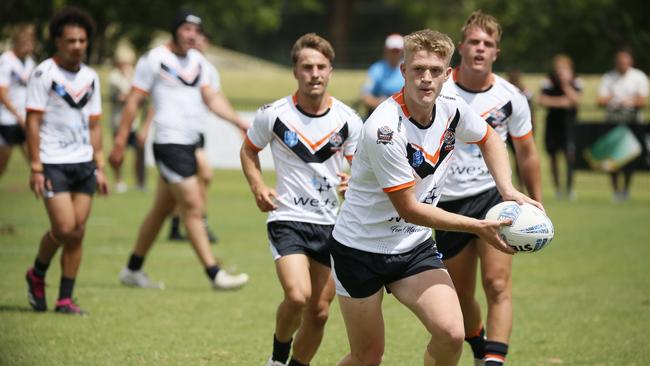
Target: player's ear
<point x="402" y="69"/>
<point x="496" y="54"/>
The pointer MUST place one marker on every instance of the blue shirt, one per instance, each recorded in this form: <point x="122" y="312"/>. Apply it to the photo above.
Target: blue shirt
<point x="383" y="80"/>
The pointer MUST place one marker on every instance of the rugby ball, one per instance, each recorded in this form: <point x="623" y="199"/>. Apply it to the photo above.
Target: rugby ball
<point x="531" y="229"/>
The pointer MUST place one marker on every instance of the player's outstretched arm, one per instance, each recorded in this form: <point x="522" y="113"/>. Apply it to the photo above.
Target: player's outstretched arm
<point x="528" y="163"/>
<point x="133" y="102"/>
<point x="265" y="196"/>
<point x="496" y="158"/>
<point x="220" y="105"/>
<point x="415" y="212"/>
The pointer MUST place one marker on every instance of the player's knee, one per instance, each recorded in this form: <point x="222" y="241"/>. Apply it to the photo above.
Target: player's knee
<point x="64" y="234"/>
<point x="296" y="300"/>
<point x="193" y="210"/>
<point x="206" y="177"/>
<point x="318" y="315"/>
<point x="497" y="288"/>
<point x="371" y="355"/>
<point x="450" y="339"/>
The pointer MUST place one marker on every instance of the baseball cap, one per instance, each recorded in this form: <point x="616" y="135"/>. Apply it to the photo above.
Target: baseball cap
<point x="185" y="16"/>
<point x="394" y="42"/>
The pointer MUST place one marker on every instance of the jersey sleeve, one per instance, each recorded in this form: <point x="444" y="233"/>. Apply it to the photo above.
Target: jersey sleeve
<point x="96" y="101"/>
<point x="520" y="126"/>
<point x="37" y="91"/>
<point x="643" y="85"/>
<point x="355" y="125"/>
<point x="144" y="75"/>
<point x="214" y="79"/>
<point x="604" y="90"/>
<point x="5" y="73"/>
<point x="387" y="155"/>
<point x="259" y="134"/>
<point x="472" y="129"/>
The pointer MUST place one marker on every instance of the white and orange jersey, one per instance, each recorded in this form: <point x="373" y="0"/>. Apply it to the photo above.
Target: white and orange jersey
<point x="396" y="153"/>
<point x="174" y="83"/>
<point x="308" y="151"/>
<point x="69" y="101"/>
<point x="503" y="107"/>
<point x="14" y="74"/>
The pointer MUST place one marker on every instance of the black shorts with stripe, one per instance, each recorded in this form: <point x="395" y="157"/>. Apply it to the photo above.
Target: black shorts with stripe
<point x="175" y="162"/>
<point x="291" y="237"/>
<point x="450" y="243"/>
<point x="76" y="177"/>
<point x="11" y="135"/>
<point x="359" y="274"/>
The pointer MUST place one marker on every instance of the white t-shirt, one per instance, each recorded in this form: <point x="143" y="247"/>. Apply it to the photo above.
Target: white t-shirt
<point x="308" y="151"/>
<point x="69" y="101"/>
<point x="621" y="87"/>
<point x="14" y="74"/>
<point x="174" y="83"/>
<point x="396" y="153"/>
<point x="503" y="107"/>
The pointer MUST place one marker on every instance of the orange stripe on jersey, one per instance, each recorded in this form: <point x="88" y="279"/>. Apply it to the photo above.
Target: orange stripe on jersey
<point x="488" y="111"/>
<point x="485" y="137"/>
<point x="314" y="145"/>
<point x="399" y="98"/>
<point x="399" y="187"/>
<point x="95" y="117"/>
<point x="140" y="90"/>
<point x="523" y="137"/>
<point x="349" y="158"/>
<point x="495" y="357"/>
<point x="34" y="110"/>
<point x="434" y="158"/>
<point x="250" y="144"/>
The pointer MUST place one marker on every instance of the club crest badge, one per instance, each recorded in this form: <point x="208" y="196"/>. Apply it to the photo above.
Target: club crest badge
<point x="290" y="138"/>
<point x="417" y="159"/>
<point x="336" y="140"/>
<point x="450" y="137"/>
<point x="384" y="135"/>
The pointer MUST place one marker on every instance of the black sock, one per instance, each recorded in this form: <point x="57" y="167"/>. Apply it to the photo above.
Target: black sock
<point x="135" y="262"/>
<point x="495" y="353"/>
<point x="66" y="287"/>
<point x="293" y="362"/>
<point x="281" y="350"/>
<point x="212" y="271"/>
<point x="40" y="268"/>
<point x="477" y="342"/>
<point x="176" y="223"/>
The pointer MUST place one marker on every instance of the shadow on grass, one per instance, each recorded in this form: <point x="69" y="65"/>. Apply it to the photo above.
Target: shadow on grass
<point x="16" y="309"/>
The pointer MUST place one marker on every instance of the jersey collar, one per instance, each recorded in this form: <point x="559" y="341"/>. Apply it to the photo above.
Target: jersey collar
<point x="399" y="99"/>
<point x="455" y="78"/>
<point x="294" y="98"/>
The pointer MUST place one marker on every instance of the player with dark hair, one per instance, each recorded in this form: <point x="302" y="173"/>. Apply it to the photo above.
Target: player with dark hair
<point x="175" y="75"/>
<point x="65" y="149"/>
<point x="16" y="64"/>
<point x="311" y="134"/>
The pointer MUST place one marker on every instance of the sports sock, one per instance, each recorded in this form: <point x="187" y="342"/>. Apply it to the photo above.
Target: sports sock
<point x="135" y="262"/>
<point x="495" y="353"/>
<point x="176" y="223"/>
<point x="293" y="362"/>
<point x="66" y="287"/>
<point x="281" y="350"/>
<point x="477" y="342"/>
<point x="40" y="268"/>
<point x="212" y="271"/>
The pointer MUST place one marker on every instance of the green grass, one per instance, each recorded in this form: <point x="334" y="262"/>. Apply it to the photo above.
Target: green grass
<point x="582" y="301"/>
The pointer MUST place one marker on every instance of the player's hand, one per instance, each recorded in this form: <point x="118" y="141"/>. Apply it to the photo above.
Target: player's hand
<point x="343" y="184"/>
<point x="116" y="157"/>
<point x="21" y="121"/>
<point x="265" y="198"/>
<point x="489" y="231"/>
<point x="37" y="183"/>
<point x="102" y="182"/>
<point x="521" y="198"/>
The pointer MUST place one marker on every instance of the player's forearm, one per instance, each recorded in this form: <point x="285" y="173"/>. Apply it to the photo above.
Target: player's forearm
<point x="219" y="105"/>
<point x="640" y="101"/>
<point x="4" y="100"/>
<point x="250" y="163"/>
<point x="96" y="142"/>
<point x="33" y="137"/>
<point x="496" y="158"/>
<point x="128" y="115"/>
<point x="529" y="167"/>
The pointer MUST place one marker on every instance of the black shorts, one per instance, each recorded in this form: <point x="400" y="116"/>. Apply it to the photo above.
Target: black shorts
<point x="290" y="237"/>
<point x="77" y="177"/>
<point x="359" y="274"/>
<point x="11" y="135"/>
<point x="175" y="162"/>
<point x="450" y="243"/>
<point x="560" y="135"/>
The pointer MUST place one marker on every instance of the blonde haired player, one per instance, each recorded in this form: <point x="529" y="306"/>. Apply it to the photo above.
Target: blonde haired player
<point x="382" y="237"/>
<point x="471" y="190"/>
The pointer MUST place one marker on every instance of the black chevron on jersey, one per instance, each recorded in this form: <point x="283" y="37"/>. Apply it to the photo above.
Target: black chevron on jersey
<point x="499" y="116"/>
<point x="173" y="73"/>
<point x="302" y="151"/>
<point x="60" y="91"/>
<point x="421" y="166"/>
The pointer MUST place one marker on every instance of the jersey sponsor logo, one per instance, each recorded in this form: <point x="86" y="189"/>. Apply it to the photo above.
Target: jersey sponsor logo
<point x="290" y="138"/>
<point x="308" y="152"/>
<point x="384" y="135"/>
<point x="183" y="80"/>
<point x="79" y="100"/>
<point x="499" y="115"/>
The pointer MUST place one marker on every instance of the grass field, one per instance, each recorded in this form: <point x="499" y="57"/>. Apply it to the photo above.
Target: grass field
<point x="585" y="300"/>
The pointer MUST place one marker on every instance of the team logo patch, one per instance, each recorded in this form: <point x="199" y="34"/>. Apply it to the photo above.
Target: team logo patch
<point x="417" y="159"/>
<point x="450" y="137"/>
<point x="38" y="73"/>
<point x="290" y="138"/>
<point x="384" y="135"/>
<point x="336" y="140"/>
<point x="59" y="89"/>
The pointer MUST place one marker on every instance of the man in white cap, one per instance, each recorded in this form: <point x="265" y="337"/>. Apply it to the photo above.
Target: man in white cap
<point x="384" y="76"/>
